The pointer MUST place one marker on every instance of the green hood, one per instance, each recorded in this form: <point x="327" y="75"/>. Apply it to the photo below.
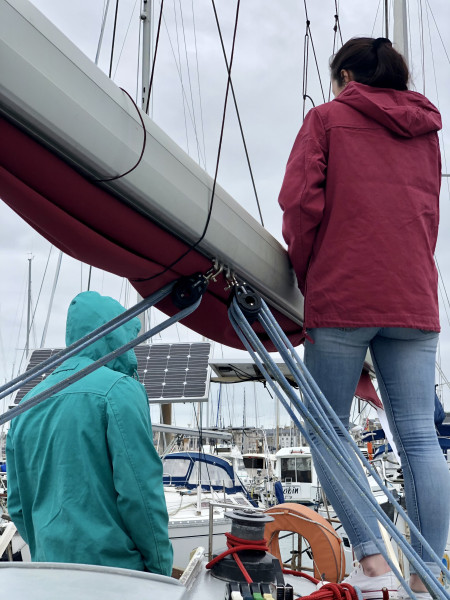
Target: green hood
<point x="90" y="310"/>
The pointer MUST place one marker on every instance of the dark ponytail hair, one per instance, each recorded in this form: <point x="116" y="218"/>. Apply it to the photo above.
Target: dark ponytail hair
<point x="372" y="62"/>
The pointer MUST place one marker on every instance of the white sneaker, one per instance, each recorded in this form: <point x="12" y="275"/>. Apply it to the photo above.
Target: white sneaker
<point x="403" y="595"/>
<point x="372" y="587"/>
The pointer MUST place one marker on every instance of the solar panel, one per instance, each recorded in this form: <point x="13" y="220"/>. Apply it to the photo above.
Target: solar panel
<point x="174" y="372"/>
<point x="169" y="372"/>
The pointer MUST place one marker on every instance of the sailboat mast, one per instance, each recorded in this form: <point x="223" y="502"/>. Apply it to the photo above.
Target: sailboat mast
<point x="146" y="49"/>
<point x="401" y="28"/>
<point x="52" y="296"/>
<point x="27" y="343"/>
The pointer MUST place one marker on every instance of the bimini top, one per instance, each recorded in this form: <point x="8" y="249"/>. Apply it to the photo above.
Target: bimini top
<point x="187" y="469"/>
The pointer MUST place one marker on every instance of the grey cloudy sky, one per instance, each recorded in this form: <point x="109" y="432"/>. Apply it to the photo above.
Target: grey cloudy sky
<point x="267" y="76"/>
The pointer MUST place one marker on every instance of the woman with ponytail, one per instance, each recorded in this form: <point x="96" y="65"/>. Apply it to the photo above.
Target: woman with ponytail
<point x="361" y="210"/>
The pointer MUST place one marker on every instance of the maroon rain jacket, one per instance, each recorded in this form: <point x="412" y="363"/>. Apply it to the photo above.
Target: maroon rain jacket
<point x="361" y="210"/>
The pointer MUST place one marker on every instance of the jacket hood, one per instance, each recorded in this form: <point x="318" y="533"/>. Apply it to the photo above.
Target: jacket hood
<point x="406" y="113"/>
<point x="90" y="310"/>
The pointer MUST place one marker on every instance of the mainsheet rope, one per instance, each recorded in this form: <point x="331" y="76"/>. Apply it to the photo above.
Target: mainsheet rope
<point x="338" y="454"/>
<point x="328" y="591"/>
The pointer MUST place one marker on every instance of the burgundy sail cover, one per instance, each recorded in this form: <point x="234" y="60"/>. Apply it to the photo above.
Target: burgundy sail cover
<point x="95" y="227"/>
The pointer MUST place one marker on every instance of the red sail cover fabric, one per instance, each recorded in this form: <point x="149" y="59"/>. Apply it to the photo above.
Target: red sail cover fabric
<point x="95" y="227"/>
<point x="367" y="392"/>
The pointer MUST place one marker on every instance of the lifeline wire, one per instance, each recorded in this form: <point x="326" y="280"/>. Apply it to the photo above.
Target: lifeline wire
<point x="326" y="433"/>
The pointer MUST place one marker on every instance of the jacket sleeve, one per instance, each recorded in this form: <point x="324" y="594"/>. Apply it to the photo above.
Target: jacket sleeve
<point x="137" y="473"/>
<point x="302" y="195"/>
<point x="14" y="503"/>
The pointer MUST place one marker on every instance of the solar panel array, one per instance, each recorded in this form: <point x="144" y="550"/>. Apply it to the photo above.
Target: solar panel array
<point x="174" y="372"/>
<point x="169" y="372"/>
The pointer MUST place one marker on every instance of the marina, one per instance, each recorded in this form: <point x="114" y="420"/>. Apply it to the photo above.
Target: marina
<point x="89" y="168"/>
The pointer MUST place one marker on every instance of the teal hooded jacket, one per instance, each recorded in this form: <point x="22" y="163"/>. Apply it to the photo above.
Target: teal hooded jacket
<point x="84" y="478"/>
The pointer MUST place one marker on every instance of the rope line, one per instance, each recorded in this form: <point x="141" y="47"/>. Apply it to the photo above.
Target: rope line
<point x="150" y="86"/>
<point x="113" y="38"/>
<point x="239" y="120"/>
<point x="236" y="545"/>
<point x="144" y="144"/>
<point x="213" y="192"/>
<point x="336" y="460"/>
<point x="308" y="41"/>
<point x="336" y="28"/>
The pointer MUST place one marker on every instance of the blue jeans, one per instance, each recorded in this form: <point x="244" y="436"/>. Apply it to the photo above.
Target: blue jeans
<point x="404" y="361"/>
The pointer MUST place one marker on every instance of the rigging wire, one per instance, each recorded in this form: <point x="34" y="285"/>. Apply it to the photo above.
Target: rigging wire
<point x="441" y="133"/>
<point x="336" y="28"/>
<point x="386" y="18"/>
<point x="213" y="191"/>
<point x="442" y="284"/>
<point x="309" y="41"/>
<point x="198" y="83"/>
<point x="338" y="23"/>
<point x="125" y="38"/>
<point x="189" y="79"/>
<point x="442" y="287"/>
<point x="150" y="87"/>
<point x="422" y="45"/>
<point x="238" y="117"/>
<point x="102" y="30"/>
<point x="180" y="73"/>
<point x="439" y="33"/>
<point x="183" y="93"/>
<point x="37" y="303"/>
<point x="375" y="20"/>
<point x="113" y="39"/>
<point x="443" y="298"/>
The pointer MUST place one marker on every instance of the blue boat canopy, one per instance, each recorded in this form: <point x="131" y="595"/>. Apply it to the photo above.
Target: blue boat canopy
<point x="187" y="469"/>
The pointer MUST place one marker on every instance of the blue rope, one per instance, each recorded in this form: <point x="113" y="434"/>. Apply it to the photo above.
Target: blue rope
<point x="323" y="401"/>
<point x="328" y="434"/>
<point x="326" y="465"/>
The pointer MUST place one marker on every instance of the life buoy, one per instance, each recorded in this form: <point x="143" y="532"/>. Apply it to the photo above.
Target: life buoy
<point x="326" y="545"/>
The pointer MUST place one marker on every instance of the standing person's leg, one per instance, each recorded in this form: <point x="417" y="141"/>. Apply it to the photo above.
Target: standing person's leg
<point x="335" y="360"/>
<point x="404" y="360"/>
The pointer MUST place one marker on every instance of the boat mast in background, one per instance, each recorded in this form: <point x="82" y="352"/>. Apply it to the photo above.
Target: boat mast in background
<point x="146" y="50"/>
<point x="401" y="28"/>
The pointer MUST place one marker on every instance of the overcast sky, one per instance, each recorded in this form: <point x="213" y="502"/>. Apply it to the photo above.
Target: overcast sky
<point x="267" y="76"/>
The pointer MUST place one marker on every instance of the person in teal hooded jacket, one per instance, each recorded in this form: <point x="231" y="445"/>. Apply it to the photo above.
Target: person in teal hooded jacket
<point x="84" y="478"/>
